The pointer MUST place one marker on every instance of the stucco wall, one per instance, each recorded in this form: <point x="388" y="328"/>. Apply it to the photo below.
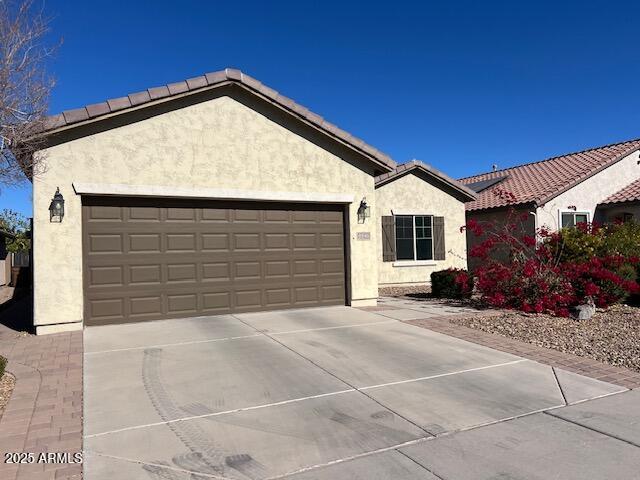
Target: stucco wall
<point x="586" y="195"/>
<point x="220" y="143"/>
<point x="412" y="194"/>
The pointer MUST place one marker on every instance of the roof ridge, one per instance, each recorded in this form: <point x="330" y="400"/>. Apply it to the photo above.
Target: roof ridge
<point x="194" y="85"/>
<point x="590" y="149"/>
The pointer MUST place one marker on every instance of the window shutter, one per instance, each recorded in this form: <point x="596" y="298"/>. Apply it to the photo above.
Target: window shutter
<point x="388" y="239"/>
<point x="438" y="238"/>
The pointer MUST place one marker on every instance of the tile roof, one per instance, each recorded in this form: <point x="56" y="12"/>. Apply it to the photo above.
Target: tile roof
<point x="541" y="181"/>
<point x="407" y="167"/>
<point x="204" y="82"/>
<point x="630" y="193"/>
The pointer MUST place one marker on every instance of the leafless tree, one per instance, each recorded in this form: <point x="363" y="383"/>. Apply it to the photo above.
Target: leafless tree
<point x="24" y="87"/>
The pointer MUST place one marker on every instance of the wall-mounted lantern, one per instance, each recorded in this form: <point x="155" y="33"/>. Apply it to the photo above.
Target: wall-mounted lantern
<point x="364" y="211"/>
<point x="572" y="207"/>
<point x="56" y="208"/>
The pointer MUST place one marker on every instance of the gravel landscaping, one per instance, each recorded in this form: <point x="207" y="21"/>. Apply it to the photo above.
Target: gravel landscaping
<point x="7" y="382"/>
<point x="611" y="336"/>
<point x="402" y="291"/>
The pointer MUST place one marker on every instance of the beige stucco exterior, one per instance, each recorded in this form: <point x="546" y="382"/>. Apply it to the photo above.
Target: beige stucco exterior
<point x="217" y="144"/>
<point x="586" y="195"/>
<point x="411" y="194"/>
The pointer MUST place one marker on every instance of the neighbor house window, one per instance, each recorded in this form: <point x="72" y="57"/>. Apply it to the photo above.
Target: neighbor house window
<point x="414" y="237"/>
<point x="571" y="219"/>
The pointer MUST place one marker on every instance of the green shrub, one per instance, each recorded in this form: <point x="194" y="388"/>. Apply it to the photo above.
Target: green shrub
<point x="451" y="283"/>
<point x="3" y="364"/>
<point x="578" y="244"/>
<point x="622" y="239"/>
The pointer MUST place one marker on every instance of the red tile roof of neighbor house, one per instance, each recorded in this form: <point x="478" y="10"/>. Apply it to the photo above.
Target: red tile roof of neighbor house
<point x="630" y="193"/>
<point x="80" y="116"/>
<point x="539" y="182"/>
<point x="417" y="165"/>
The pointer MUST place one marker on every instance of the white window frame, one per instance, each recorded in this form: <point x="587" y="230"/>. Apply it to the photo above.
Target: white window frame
<point x="415" y="261"/>
<point x="562" y="212"/>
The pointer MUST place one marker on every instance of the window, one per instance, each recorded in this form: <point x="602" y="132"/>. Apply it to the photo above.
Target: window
<point x="414" y="237"/>
<point x="571" y="219"/>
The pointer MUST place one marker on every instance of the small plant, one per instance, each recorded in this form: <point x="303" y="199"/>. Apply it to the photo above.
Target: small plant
<point x="3" y="365"/>
<point x="451" y="283"/>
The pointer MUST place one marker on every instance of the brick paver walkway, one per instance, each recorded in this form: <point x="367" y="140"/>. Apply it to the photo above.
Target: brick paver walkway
<point x="44" y="413"/>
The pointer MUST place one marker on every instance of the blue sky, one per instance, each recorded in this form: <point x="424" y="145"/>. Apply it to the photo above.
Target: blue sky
<point x="459" y="85"/>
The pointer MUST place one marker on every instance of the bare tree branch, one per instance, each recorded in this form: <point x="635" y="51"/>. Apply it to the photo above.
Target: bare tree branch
<point x="24" y="88"/>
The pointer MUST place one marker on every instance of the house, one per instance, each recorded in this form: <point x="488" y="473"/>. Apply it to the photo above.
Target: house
<point x="622" y="206"/>
<point x="420" y="211"/>
<point x="209" y="196"/>
<point x="5" y="258"/>
<point x="590" y="185"/>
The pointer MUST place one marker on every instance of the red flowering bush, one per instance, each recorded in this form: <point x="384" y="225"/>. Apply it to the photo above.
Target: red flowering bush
<point x="550" y="272"/>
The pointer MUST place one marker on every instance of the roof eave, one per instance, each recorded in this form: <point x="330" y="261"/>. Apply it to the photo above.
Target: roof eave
<point x="459" y="188"/>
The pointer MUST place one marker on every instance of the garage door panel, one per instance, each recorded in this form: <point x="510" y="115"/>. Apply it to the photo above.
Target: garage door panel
<point x="107" y="276"/>
<point x="216" y="272"/>
<point x="181" y="215"/>
<point x="215" y="242"/>
<point x="181" y="273"/>
<point x="108" y="308"/>
<point x="182" y="304"/>
<point x="106" y="213"/>
<point x="145" y="215"/>
<point x="145" y="305"/>
<point x="145" y="242"/>
<point x="152" y="258"/>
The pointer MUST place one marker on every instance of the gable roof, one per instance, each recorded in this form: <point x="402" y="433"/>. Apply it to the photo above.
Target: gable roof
<point x="539" y="182"/>
<point x="91" y="113"/>
<point x="418" y="166"/>
<point x="630" y="193"/>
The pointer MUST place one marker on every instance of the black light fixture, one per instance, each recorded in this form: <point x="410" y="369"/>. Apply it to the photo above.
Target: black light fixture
<point x="56" y="208"/>
<point x="364" y="211"/>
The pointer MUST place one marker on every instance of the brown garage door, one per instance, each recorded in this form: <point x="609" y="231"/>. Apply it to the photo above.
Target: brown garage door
<point x="148" y="259"/>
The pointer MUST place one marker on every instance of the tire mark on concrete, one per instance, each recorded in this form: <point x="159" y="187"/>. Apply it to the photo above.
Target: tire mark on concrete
<point x="205" y="456"/>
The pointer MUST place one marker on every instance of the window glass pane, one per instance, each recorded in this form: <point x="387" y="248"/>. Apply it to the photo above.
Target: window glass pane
<point x="423" y="231"/>
<point x="404" y="237"/>
<point x="424" y="249"/>
<point x="568" y="220"/>
<point x="581" y="218"/>
<point x="404" y="249"/>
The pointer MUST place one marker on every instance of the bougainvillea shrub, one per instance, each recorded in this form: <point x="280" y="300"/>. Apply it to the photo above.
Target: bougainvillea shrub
<point x="551" y="271"/>
<point x="451" y="283"/>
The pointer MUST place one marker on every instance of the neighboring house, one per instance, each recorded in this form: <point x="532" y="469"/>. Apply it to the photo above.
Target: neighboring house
<point x="557" y="192"/>
<point x="209" y="196"/>
<point x="420" y="211"/>
<point x="5" y="258"/>
<point x="622" y="206"/>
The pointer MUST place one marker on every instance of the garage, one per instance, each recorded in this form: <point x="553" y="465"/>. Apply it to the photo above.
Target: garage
<point x="153" y="258"/>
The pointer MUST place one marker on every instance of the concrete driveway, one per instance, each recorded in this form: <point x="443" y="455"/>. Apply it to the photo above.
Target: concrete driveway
<point x="334" y="393"/>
